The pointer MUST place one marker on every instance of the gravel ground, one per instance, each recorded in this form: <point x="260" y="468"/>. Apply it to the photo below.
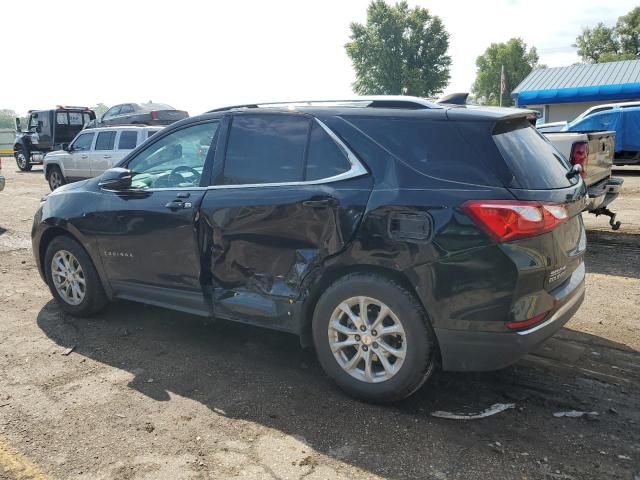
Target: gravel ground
<point x="152" y="394"/>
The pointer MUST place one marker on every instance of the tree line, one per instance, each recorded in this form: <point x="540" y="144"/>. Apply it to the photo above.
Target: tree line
<point x="403" y="50"/>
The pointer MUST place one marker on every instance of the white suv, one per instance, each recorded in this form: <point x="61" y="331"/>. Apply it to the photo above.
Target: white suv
<point x="92" y="152"/>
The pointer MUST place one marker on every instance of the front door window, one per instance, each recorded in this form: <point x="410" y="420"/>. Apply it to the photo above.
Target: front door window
<point x="175" y="161"/>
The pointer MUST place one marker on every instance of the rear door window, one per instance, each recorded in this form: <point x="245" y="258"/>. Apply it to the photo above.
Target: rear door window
<point x="267" y="148"/>
<point x="105" y="140"/>
<point x="127" y="140"/>
<point x="533" y="160"/>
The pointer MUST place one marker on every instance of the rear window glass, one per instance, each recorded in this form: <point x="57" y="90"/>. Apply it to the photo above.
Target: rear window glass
<point x="105" y="141"/>
<point x="533" y="160"/>
<point x="75" y="118"/>
<point x="432" y="147"/>
<point x="128" y="139"/>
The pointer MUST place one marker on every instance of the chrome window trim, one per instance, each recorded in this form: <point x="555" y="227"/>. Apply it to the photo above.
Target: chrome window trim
<point x="356" y="170"/>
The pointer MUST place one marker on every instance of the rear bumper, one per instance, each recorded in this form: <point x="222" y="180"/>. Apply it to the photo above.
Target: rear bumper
<point x="464" y="350"/>
<point x="603" y="193"/>
<point x="2" y="182"/>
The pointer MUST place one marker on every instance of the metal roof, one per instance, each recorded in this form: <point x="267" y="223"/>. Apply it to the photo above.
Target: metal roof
<point x="584" y="75"/>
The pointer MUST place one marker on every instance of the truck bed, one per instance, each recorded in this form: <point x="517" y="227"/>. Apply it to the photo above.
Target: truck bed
<point x="601" y="151"/>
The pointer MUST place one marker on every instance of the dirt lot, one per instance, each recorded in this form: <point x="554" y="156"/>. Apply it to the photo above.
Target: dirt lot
<point x="152" y="394"/>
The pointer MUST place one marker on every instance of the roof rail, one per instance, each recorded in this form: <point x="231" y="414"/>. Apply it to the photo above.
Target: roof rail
<point x="373" y="101"/>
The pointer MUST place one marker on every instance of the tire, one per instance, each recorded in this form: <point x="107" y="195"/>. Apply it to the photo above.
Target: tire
<point x="55" y="178"/>
<point x="22" y="159"/>
<point x="416" y="341"/>
<point x="93" y="298"/>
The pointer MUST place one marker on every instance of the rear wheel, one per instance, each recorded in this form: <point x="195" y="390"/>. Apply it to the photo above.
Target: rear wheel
<point x="56" y="179"/>
<point x="22" y="159"/>
<point x="72" y="278"/>
<point x="372" y="337"/>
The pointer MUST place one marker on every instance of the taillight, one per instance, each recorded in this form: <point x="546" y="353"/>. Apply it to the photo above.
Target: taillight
<point x="507" y="220"/>
<point x="154" y="115"/>
<point x="517" y="325"/>
<point x="579" y="155"/>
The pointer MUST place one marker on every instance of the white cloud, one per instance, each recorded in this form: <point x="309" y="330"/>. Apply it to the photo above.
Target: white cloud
<point x="200" y="55"/>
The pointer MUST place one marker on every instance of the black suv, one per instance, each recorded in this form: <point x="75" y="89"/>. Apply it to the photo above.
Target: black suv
<point x="393" y="234"/>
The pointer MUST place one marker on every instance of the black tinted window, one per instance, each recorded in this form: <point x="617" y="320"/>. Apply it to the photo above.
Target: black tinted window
<point x="432" y="147"/>
<point x="325" y="158"/>
<point x="266" y="149"/>
<point x="105" y="141"/>
<point x="126" y="109"/>
<point x="128" y="140"/>
<point x="83" y="142"/>
<point x="534" y="162"/>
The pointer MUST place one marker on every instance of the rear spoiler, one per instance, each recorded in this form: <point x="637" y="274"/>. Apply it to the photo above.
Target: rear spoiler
<point x="455" y="98"/>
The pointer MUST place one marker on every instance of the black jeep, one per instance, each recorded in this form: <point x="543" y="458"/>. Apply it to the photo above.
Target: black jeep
<point x="48" y="130"/>
<point x="393" y="234"/>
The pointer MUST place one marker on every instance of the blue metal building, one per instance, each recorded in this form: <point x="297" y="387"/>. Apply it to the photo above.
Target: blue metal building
<point x="563" y="93"/>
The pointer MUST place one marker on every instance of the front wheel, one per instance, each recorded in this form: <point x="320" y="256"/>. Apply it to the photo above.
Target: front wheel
<point x="72" y="278"/>
<point x="373" y="339"/>
<point x="23" y="160"/>
<point x="56" y="178"/>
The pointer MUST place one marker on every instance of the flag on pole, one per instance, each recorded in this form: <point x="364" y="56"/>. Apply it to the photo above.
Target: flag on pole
<point x="503" y="84"/>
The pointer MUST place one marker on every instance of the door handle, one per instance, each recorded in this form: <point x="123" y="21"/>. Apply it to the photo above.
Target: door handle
<point x="177" y="204"/>
<point x="324" y="203"/>
<point x="106" y="156"/>
<point x="83" y="156"/>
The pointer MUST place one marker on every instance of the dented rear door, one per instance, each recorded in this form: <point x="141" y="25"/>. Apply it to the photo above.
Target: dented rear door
<point x="282" y="203"/>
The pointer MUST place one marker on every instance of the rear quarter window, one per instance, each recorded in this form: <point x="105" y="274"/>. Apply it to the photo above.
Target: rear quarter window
<point x="127" y="140"/>
<point x="533" y="160"/>
<point x="432" y="147"/>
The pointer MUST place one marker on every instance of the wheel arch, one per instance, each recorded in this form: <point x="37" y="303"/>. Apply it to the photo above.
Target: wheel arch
<point x="55" y="231"/>
<point x="330" y="275"/>
<point x="48" y="166"/>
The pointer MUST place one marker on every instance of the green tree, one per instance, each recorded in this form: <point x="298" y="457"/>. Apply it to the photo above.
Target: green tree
<point x="8" y="118"/>
<point x="595" y="42"/>
<point x="100" y="109"/>
<point x="399" y="50"/>
<point x="518" y="61"/>
<point x="609" y="44"/>
<point x="628" y="31"/>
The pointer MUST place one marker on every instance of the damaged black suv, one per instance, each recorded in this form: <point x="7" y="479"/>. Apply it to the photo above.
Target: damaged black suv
<point x="393" y="234"/>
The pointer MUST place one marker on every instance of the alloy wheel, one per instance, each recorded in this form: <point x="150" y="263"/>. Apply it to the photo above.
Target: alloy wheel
<point x="367" y="339"/>
<point x="68" y="277"/>
<point x="55" y="180"/>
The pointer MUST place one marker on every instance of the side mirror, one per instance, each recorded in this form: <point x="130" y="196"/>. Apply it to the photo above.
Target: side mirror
<point x="18" y="128"/>
<point x="67" y="147"/>
<point x="116" y="179"/>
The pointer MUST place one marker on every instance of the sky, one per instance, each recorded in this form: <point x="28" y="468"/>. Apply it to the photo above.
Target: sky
<point x="199" y="55"/>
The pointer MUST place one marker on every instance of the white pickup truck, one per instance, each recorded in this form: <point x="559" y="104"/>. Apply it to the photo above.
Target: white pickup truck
<point x="93" y="151"/>
<point x="593" y="151"/>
